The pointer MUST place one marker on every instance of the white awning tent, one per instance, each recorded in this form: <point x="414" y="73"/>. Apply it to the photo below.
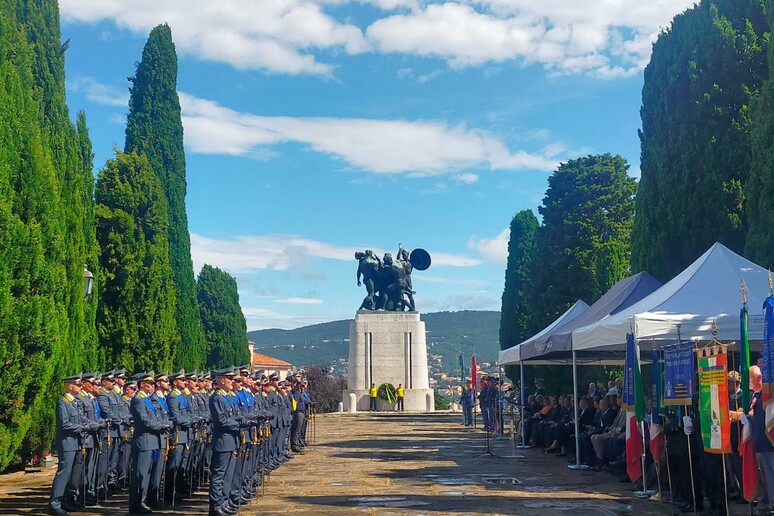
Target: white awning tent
<point x="511" y="356"/>
<point x="707" y="290"/>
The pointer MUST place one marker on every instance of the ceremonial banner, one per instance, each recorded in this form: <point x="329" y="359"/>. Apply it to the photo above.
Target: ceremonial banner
<point x="678" y="374"/>
<point x="713" y="399"/>
<point x="749" y="464"/>
<point x="768" y="363"/>
<point x="656" y="429"/>
<point x="634" y="403"/>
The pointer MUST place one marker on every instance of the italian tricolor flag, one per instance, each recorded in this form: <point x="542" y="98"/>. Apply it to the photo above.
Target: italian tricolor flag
<point x="634" y="404"/>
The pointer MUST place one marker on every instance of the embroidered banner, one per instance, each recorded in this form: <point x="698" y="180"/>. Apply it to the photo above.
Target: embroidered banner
<point x="713" y="399"/>
<point x="678" y="374"/>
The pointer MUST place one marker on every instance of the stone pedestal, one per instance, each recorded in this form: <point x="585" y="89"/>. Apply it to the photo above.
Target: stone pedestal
<point x="388" y="347"/>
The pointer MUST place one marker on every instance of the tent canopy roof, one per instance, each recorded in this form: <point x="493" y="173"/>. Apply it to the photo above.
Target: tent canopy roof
<point x="622" y="295"/>
<point x="512" y="356"/>
<point x="705" y="291"/>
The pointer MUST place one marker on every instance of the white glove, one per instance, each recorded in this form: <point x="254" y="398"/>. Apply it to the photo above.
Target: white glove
<point x="687" y="425"/>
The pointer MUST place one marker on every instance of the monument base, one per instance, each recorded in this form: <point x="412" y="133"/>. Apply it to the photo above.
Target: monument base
<point x="388" y="347"/>
<point x="415" y="400"/>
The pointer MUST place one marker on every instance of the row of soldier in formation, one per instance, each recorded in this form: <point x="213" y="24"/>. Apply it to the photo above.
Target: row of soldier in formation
<point x="165" y="436"/>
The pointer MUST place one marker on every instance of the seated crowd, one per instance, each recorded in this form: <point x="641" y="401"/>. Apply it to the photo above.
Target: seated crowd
<point x="683" y="467"/>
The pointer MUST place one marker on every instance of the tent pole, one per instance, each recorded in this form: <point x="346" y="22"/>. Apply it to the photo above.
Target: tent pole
<point x="523" y="401"/>
<point x="577" y="464"/>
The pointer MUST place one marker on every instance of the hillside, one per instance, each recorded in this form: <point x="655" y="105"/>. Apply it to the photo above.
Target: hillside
<point x="447" y="333"/>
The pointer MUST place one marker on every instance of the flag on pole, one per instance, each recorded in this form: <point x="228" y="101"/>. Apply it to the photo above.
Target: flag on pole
<point x="634" y="404"/>
<point x="744" y="318"/>
<point x="749" y="464"/>
<point x="656" y="426"/>
<point x="474" y="373"/>
<point x="768" y="364"/>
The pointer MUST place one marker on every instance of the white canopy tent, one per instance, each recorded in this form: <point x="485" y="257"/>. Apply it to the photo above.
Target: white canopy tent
<point x="707" y="290"/>
<point x="511" y="356"/>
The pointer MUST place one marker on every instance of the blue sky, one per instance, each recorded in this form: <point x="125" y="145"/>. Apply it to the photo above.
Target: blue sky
<point x="315" y="128"/>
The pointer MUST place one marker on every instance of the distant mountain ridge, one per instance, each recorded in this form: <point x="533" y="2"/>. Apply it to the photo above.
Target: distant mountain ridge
<point x="326" y="343"/>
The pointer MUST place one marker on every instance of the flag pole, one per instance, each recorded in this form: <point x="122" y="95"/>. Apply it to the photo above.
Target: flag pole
<point x="645" y="493"/>
<point x="577" y="466"/>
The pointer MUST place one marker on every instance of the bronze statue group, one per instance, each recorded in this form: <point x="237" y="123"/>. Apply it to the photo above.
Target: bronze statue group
<point x="164" y="437"/>
<point x="388" y="281"/>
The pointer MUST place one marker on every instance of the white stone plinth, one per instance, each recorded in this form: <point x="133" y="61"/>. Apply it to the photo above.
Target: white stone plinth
<point x="388" y="347"/>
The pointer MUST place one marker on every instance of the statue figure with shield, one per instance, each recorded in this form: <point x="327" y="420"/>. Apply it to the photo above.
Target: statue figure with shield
<point x="388" y="281"/>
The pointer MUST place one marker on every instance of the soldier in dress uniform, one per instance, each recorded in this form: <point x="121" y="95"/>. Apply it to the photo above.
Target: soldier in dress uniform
<point x="70" y="424"/>
<point x="109" y="410"/>
<point x="94" y="440"/>
<point x="155" y="490"/>
<point x="225" y="445"/>
<point x="298" y="409"/>
<point x="130" y="390"/>
<point x="181" y="416"/>
<point x="116" y="472"/>
<point x="146" y="445"/>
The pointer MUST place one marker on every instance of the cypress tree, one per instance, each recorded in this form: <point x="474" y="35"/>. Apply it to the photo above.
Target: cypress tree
<point x="515" y="324"/>
<point x="760" y="187"/>
<point x="50" y="199"/>
<point x="32" y="272"/>
<point x="154" y="128"/>
<point x="695" y="139"/>
<point x="589" y="204"/>
<point x="224" y="323"/>
<point x="136" y="314"/>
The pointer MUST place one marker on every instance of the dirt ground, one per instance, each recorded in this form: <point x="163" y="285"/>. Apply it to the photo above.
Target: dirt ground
<point x="387" y="464"/>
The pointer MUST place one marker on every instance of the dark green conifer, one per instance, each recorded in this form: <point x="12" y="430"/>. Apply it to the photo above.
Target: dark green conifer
<point x="224" y="323"/>
<point x="154" y="128"/>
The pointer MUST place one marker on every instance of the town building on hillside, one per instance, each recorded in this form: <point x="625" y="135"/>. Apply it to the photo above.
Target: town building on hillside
<point x="268" y="364"/>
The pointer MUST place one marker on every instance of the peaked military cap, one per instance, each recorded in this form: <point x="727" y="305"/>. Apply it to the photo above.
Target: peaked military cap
<point x="244" y="370"/>
<point x="146" y="376"/>
<point x="192" y="376"/>
<point x="72" y="379"/>
<point x="163" y="377"/>
<point x="130" y="385"/>
<point x="180" y="375"/>
<point x="226" y="371"/>
<point x="120" y="373"/>
<point x="90" y="377"/>
<point x="208" y="376"/>
<point x="273" y="376"/>
<point x="109" y="375"/>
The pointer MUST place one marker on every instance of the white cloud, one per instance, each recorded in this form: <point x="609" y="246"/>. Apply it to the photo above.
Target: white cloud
<point x="381" y="146"/>
<point x="604" y="38"/>
<point x="600" y="37"/>
<point x="493" y="249"/>
<point x="99" y="93"/>
<point x="276" y="35"/>
<point x="245" y="254"/>
<point x="259" y="318"/>
<point x="467" y="178"/>
<point x="299" y="301"/>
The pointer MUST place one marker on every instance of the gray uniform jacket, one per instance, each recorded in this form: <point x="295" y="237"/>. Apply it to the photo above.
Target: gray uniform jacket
<point x="108" y="406"/>
<point x="69" y="424"/>
<point x="225" y="431"/>
<point x="180" y="414"/>
<point x="147" y="423"/>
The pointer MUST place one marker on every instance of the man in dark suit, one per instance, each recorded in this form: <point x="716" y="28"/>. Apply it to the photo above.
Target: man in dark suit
<point x="69" y="426"/>
<point x="110" y="411"/>
<point x="146" y="446"/>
